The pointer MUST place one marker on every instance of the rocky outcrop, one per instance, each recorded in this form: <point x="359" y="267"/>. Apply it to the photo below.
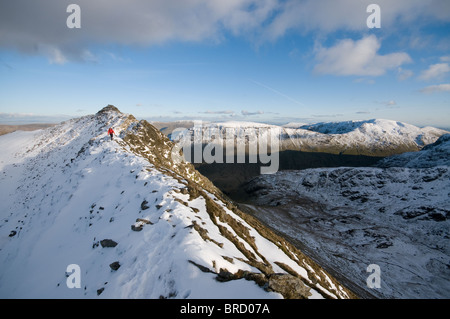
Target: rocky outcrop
<point x="289" y="286"/>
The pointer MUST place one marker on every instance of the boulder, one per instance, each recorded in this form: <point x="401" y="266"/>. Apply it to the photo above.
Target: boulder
<point x="289" y="286"/>
<point x="115" y="265"/>
<point x="108" y="243"/>
<point x="136" y="228"/>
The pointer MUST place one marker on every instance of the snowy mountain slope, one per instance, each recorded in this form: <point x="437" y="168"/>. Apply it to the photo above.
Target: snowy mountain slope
<point x="373" y="137"/>
<point x="137" y="224"/>
<point x="436" y="154"/>
<point x="381" y="137"/>
<point x="349" y="218"/>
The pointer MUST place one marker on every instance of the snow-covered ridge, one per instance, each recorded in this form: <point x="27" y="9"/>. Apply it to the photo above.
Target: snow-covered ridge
<point x="432" y="155"/>
<point x="137" y="224"/>
<point x="368" y="125"/>
<point x="375" y="137"/>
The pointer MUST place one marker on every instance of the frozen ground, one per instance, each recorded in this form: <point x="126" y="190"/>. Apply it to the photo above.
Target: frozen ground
<point x="137" y="225"/>
<point x="395" y="216"/>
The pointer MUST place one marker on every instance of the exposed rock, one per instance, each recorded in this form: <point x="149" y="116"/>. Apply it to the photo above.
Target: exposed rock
<point x="108" y="243"/>
<point x="115" y="265"/>
<point x="438" y="217"/>
<point x="109" y="108"/>
<point x="202" y="268"/>
<point x="384" y="245"/>
<point x="289" y="286"/>
<point x="136" y="228"/>
<point x="260" y="279"/>
<point x="224" y="275"/>
<point x="144" y="221"/>
<point x="144" y="205"/>
<point x="140" y="223"/>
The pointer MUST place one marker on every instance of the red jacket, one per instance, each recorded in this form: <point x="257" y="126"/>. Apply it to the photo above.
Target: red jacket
<point x="111" y="131"/>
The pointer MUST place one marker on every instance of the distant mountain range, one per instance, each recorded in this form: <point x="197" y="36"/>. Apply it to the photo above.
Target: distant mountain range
<point x="375" y="137"/>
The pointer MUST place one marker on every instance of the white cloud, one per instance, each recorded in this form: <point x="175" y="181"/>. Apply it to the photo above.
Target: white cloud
<point x="364" y="80"/>
<point x="53" y="53"/>
<point x="331" y="15"/>
<point x="228" y="112"/>
<point x="133" y="22"/>
<point x="27" y="118"/>
<point x="390" y="103"/>
<point x="26" y="25"/>
<point x="359" y="58"/>
<point x="4" y="115"/>
<point x="88" y="56"/>
<point x="435" y="71"/>
<point x="247" y="113"/>
<point x="404" y="74"/>
<point x="436" y="88"/>
<point x="328" y="115"/>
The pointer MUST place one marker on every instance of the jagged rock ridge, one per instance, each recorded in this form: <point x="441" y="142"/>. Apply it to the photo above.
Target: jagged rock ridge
<point x="138" y="224"/>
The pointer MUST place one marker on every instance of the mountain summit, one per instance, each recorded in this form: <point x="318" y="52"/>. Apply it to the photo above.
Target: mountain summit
<point x="109" y="108"/>
<point x="83" y="216"/>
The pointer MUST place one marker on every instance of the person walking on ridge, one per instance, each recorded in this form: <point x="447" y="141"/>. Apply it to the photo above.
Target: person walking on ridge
<point x="111" y="133"/>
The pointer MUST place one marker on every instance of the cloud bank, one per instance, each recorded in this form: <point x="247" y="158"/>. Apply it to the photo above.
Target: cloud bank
<point x="436" y="88"/>
<point x="435" y="71"/>
<point x="39" y="27"/>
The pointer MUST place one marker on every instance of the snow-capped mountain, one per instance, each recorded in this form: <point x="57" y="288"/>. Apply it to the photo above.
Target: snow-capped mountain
<point x="135" y="223"/>
<point x="375" y="137"/>
<point x="436" y="154"/>
<point x="396" y="216"/>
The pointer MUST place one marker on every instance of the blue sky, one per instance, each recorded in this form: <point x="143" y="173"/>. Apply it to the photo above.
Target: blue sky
<point x="274" y="61"/>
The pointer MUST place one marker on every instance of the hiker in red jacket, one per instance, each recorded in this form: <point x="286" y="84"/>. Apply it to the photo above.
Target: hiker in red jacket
<point x="111" y="133"/>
